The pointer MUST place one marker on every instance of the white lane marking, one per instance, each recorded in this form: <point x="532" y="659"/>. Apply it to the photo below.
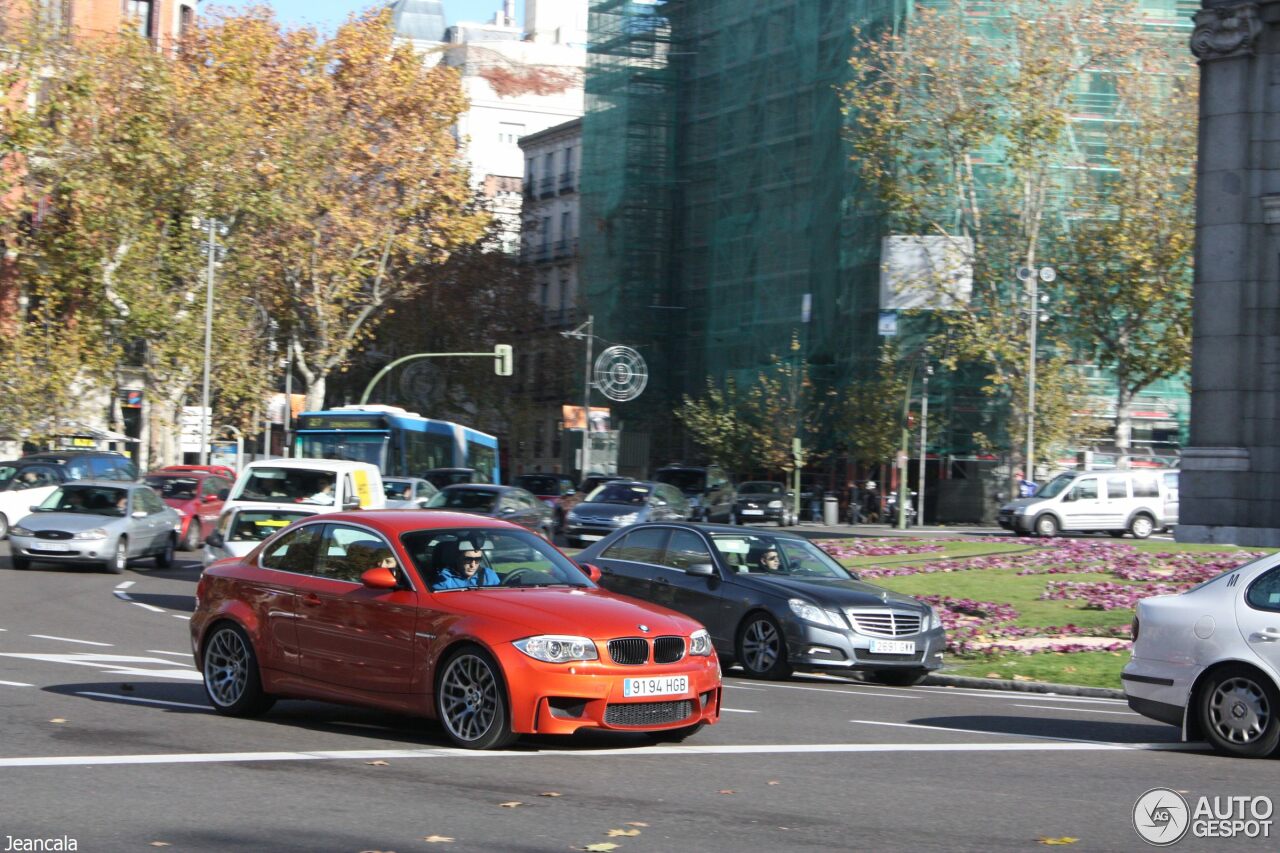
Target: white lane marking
<point x="1085" y="710"/>
<point x="129" y="665"/>
<point x="737" y="711"/>
<point x="622" y="752"/>
<point x="15" y="684"/>
<point x="125" y="585"/>
<point x="145" y="701"/>
<point x="180" y="616"/>
<point x="838" y="692"/>
<point x="741" y="687"/>
<point x="68" y="640"/>
<point x="175" y="654"/>
<point x="150" y="607"/>
<point x="121" y="594"/>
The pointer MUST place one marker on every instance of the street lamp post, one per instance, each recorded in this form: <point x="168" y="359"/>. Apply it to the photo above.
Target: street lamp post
<point x="214" y="253"/>
<point x="501" y="353"/>
<point x="1032" y="277"/>
<point x="584" y="332"/>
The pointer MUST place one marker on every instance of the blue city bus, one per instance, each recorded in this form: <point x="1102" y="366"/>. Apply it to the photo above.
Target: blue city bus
<point x="400" y="443"/>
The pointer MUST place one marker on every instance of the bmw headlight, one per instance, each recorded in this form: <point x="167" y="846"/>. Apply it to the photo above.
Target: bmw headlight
<point x="700" y="643"/>
<point x="19" y="530"/>
<point x="810" y="612"/>
<point x="555" y="648"/>
<point x="775" y="504"/>
<point x="95" y="533"/>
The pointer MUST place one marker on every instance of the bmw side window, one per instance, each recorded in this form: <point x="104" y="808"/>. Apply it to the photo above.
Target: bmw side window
<point x="349" y="552"/>
<point x="295" y="551"/>
<point x="1264" y="593"/>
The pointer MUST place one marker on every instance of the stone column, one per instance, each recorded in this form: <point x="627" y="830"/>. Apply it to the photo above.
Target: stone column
<point x="1232" y="466"/>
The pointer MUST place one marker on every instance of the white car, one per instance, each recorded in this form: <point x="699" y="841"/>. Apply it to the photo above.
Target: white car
<point x="1208" y="660"/>
<point x="241" y="529"/>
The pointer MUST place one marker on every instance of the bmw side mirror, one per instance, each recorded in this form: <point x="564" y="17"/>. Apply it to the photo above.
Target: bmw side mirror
<point x="592" y="571"/>
<point x="379" y="578"/>
<point x="214" y="540"/>
<point x="704" y="569"/>
<point x="211" y="498"/>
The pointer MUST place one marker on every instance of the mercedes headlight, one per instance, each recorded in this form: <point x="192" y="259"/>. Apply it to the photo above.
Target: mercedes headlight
<point x="555" y="648"/>
<point x="810" y="612"/>
<point x="700" y="643"/>
<point x="95" y="533"/>
<point x="775" y="504"/>
<point x="934" y="620"/>
<point x="19" y="530"/>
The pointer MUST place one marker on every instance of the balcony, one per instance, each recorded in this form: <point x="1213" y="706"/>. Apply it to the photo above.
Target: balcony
<point x="566" y="183"/>
<point x="542" y="253"/>
<point x="547" y="187"/>
<point x="565" y="248"/>
<point x="556" y="317"/>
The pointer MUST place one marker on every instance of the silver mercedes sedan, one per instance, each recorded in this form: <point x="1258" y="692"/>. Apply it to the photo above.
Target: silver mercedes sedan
<point x="106" y="523"/>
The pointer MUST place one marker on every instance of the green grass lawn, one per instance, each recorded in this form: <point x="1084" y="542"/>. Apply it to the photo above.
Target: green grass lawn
<point x="1089" y="669"/>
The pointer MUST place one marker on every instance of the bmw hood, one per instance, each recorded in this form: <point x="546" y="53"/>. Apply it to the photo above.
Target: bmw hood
<point x="595" y="613"/>
<point x="836" y="593"/>
<point x="71" y="522"/>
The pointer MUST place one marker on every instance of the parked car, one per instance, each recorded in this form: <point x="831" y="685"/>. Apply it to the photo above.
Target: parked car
<point x="1208" y="660"/>
<point x="505" y="502"/>
<point x="407" y="492"/>
<point x="545" y="651"/>
<point x="548" y="488"/>
<point x="28" y="481"/>
<point x="1117" y="502"/>
<point x="441" y="477"/>
<point x="762" y="500"/>
<point x="97" y="521"/>
<point x="196" y="495"/>
<point x="241" y="529"/>
<point x="773" y="602"/>
<point x="711" y="496"/>
<point x="619" y="503"/>
<point x="588" y="485"/>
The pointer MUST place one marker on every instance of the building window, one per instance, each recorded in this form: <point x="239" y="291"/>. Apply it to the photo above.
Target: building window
<point x="510" y="132"/>
<point x="186" y="19"/>
<point x="142" y="14"/>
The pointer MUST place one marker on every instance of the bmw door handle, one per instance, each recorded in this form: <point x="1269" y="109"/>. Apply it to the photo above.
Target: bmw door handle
<point x="311" y="600"/>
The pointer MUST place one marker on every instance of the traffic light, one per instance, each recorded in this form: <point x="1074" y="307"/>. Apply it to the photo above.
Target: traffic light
<point x="502" y="359"/>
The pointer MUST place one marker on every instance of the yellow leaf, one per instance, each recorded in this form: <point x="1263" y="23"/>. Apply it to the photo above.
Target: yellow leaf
<point x="551" y="794"/>
<point x="628" y="833"/>
<point x="1066" y="839"/>
<point x="511" y="805"/>
<point x="437" y="839"/>
<point x="378" y="763"/>
<point x="602" y="847"/>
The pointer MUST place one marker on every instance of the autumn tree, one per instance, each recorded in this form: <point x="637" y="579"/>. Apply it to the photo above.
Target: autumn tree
<point x="973" y="136"/>
<point x="1127" y="261"/>
<point x="356" y="190"/>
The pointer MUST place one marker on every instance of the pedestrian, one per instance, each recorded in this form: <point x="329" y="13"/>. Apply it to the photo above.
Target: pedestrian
<point x="815" y="504"/>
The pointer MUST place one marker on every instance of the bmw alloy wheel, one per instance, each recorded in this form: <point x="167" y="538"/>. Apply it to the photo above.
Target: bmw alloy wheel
<point x="471" y="702"/>
<point x="226" y="667"/>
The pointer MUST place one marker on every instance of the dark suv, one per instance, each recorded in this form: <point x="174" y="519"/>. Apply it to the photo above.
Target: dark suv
<point x="711" y="495"/>
<point x="80" y="465"/>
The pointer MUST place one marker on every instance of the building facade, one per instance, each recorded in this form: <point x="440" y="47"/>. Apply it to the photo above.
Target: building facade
<point x="723" y="216"/>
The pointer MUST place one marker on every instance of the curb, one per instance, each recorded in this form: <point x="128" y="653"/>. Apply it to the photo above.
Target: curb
<point x="1022" y="686"/>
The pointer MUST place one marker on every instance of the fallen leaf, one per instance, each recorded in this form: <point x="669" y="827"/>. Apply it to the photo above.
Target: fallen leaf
<point x="727" y="791"/>
<point x="437" y="839"/>
<point x="636" y="823"/>
<point x="772" y="782"/>
<point x="511" y="805"/>
<point x="628" y="833"/>
<point x="994" y="675"/>
<point x="1053" y="842"/>
<point x="57" y="720"/>
<point x="602" y="847"/>
<point x="1022" y="678"/>
<point x="378" y="763"/>
<point x="551" y="794"/>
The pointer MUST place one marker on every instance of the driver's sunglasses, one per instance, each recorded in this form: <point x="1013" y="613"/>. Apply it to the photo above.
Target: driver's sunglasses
<point x="476" y="560"/>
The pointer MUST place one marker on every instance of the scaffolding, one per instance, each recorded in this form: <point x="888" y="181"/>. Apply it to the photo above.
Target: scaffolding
<point x="722" y="215"/>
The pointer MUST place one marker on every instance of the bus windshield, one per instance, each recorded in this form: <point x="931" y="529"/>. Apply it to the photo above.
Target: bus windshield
<point x="368" y="447"/>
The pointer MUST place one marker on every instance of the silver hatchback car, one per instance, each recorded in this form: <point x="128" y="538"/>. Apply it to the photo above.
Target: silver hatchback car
<point x="97" y="521"/>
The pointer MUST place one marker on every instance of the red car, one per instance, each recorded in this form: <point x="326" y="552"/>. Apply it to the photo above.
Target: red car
<point x="475" y="622"/>
<point x="196" y="492"/>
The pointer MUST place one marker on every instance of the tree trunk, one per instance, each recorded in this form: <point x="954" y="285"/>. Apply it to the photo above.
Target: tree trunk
<point x="315" y="392"/>
<point x="1124" y="424"/>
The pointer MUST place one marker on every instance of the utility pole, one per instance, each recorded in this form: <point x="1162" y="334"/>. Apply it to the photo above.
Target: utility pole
<point x="584" y="331"/>
<point x="214" y="253"/>
<point x="1033" y="277"/>
<point x="924" y="440"/>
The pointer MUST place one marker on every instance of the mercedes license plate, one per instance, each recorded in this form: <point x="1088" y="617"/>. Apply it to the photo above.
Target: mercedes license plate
<point x="893" y="647"/>
<point x="667" y="685"/>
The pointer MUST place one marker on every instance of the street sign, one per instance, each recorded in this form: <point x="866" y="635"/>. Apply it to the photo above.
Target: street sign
<point x="1048" y="274"/>
<point x="1026" y="273"/>
<point x="888" y="326"/>
<point x="502" y="356"/>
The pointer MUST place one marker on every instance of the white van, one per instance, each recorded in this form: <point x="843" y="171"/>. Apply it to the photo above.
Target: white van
<point x="324" y="485"/>
<point x="1137" y="502"/>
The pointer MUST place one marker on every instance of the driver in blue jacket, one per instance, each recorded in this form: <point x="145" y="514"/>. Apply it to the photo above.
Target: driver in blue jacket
<point x="470" y="571"/>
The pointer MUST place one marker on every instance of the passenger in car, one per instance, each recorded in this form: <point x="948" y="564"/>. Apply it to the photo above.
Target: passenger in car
<point x="469" y="571"/>
<point x="770" y="561"/>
